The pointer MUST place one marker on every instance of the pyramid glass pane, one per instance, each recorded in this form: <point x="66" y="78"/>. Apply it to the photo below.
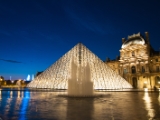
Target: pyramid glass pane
<point x="58" y="74"/>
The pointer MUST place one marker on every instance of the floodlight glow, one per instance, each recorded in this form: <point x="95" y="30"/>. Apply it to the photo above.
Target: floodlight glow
<point x="145" y="82"/>
<point x="145" y="89"/>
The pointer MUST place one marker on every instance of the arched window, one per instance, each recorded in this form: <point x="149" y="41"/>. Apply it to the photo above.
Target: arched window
<point x="133" y="69"/>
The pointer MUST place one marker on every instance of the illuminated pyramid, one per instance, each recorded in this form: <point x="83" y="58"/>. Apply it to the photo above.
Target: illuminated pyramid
<point x="58" y="74"/>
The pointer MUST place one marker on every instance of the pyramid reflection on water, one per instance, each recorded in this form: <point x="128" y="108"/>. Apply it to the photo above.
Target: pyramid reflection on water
<point x="57" y="76"/>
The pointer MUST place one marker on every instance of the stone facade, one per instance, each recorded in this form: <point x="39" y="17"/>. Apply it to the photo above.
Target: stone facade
<point x="138" y="63"/>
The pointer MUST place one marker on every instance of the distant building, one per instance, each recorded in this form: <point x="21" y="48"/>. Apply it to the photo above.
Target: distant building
<point x="138" y="62"/>
<point x="1" y="78"/>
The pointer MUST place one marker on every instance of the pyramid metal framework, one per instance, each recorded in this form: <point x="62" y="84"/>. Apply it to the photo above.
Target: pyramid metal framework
<point x="58" y="74"/>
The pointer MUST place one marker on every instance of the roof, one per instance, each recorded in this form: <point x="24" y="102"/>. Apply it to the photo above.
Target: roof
<point x="134" y="39"/>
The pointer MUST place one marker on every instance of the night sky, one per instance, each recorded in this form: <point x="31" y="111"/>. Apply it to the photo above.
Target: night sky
<point x="36" y="33"/>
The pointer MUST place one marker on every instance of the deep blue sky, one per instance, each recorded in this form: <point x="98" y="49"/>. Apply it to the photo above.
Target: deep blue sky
<point x="36" y="33"/>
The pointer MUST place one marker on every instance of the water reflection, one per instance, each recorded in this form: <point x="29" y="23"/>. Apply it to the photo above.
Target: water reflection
<point x="78" y="108"/>
<point x="14" y="104"/>
<point x="148" y="105"/>
<point x="11" y="94"/>
<point x="34" y="105"/>
<point x="24" y="104"/>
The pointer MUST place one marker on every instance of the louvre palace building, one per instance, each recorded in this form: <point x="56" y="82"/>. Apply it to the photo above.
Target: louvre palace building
<point x="138" y="62"/>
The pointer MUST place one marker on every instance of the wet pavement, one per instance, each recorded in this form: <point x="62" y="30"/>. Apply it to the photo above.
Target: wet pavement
<point x="26" y="104"/>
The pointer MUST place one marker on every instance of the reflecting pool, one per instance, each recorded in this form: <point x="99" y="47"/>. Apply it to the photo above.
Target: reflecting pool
<point x="26" y="104"/>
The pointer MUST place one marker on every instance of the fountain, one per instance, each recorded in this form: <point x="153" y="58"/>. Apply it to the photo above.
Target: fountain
<point x="80" y="71"/>
<point x="80" y="83"/>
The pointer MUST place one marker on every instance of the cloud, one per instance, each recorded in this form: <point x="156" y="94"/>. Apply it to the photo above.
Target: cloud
<point x="11" y="61"/>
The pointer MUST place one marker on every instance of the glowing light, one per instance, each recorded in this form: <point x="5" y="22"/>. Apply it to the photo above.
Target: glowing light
<point x="146" y="89"/>
<point x="145" y="86"/>
<point x="148" y="105"/>
<point x="18" y="96"/>
<point x="58" y="74"/>
<point x="11" y="94"/>
<point x="145" y="82"/>
<point x="28" y="78"/>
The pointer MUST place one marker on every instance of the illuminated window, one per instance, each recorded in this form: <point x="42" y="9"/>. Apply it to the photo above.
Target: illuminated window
<point x="133" y="69"/>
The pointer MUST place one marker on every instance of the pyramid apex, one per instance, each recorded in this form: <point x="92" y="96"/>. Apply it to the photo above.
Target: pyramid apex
<point x="80" y="43"/>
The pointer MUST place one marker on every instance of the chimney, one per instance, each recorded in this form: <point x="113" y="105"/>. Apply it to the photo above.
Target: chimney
<point x="123" y="40"/>
<point x="147" y="37"/>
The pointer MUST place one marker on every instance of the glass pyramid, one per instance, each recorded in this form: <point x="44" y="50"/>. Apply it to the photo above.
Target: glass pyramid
<point x="59" y="73"/>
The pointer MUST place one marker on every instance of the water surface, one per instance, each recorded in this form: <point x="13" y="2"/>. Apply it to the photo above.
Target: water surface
<point x="28" y="104"/>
